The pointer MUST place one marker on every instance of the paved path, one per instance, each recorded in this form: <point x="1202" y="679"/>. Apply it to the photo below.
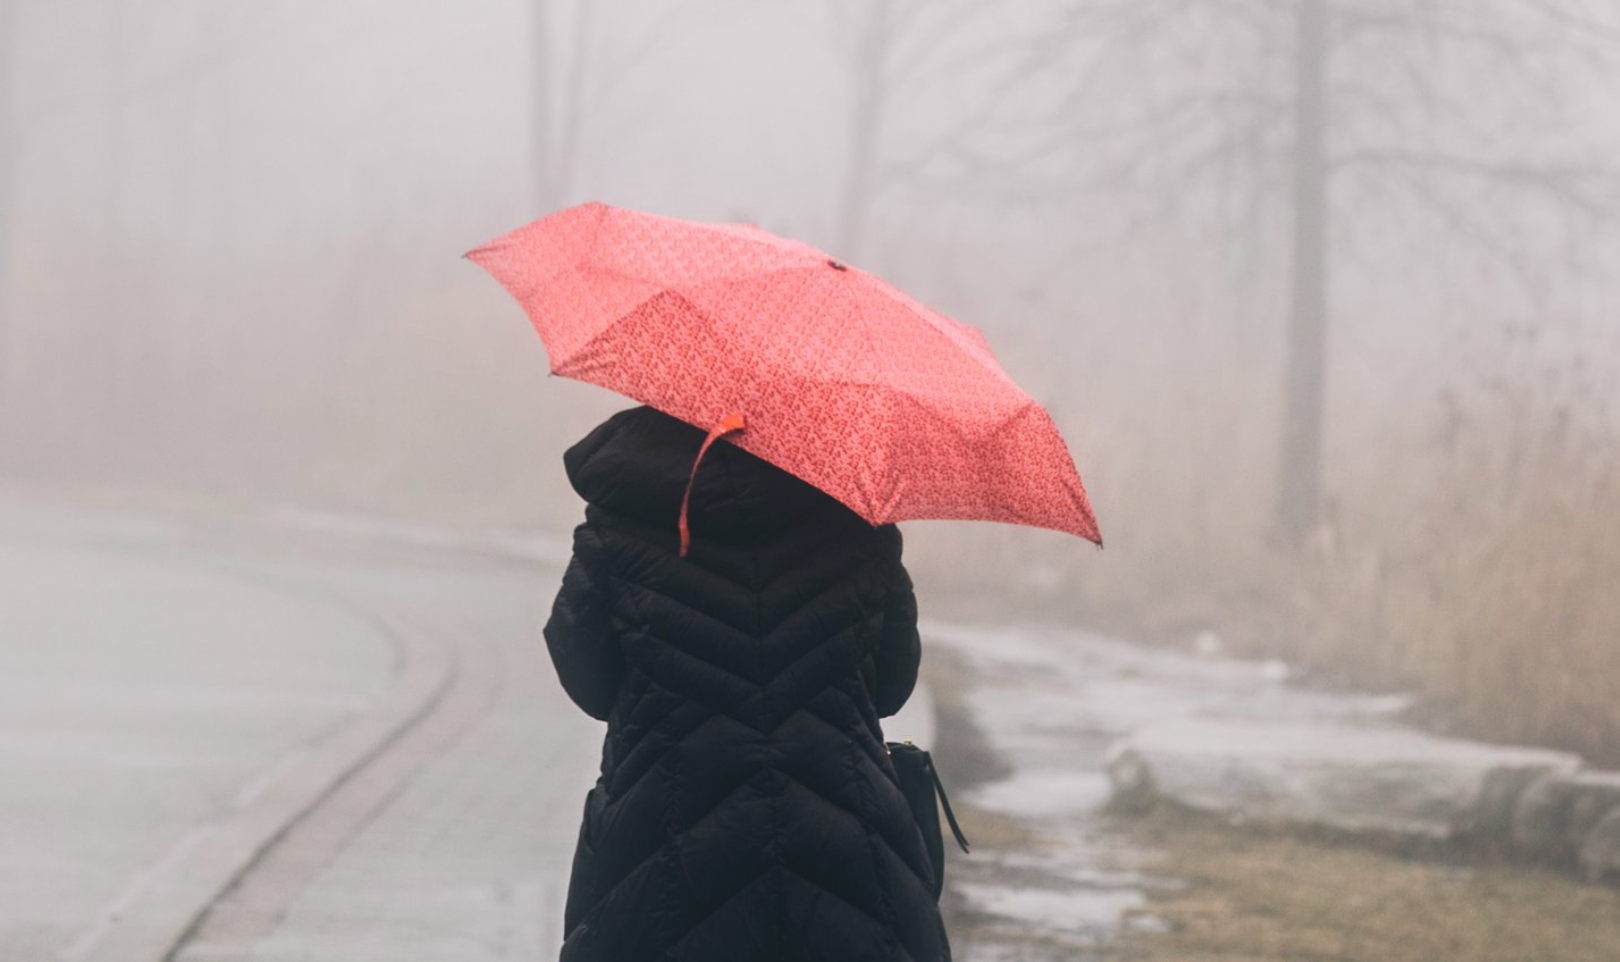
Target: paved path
<point x="454" y="843"/>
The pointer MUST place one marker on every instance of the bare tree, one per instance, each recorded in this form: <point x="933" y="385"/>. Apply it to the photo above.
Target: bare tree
<point x="10" y="147"/>
<point x="1223" y="108"/>
<point x="122" y="348"/>
<point x="557" y="115"/>
<point x="895" y="54"/>
<point x="578" y="75"/>
<point x="869" y="56"/>
<point x="1299" y="481"/>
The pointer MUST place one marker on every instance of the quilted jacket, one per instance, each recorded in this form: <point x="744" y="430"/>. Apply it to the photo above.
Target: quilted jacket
<point x="746" y="809"/>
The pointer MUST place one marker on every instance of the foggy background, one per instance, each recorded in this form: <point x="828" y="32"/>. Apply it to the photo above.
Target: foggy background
<point x="1322" y="294"/>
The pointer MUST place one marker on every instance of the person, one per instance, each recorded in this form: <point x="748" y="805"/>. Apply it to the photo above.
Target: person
<point x="747" y="809"/>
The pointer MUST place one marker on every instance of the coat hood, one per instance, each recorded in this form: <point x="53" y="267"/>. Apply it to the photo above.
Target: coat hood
<point x="637" y="462"/>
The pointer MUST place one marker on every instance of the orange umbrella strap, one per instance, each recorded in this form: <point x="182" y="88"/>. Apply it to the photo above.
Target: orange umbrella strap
<point x="728" y="424"/>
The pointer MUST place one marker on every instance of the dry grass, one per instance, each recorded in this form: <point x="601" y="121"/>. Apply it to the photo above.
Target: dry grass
<point x="1484" y="580"/>
<point x="1472" y="558"/>
<point x="1277" y="898"/>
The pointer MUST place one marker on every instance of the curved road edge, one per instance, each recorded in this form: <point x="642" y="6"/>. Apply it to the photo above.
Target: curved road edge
<point x="178" y="891"/>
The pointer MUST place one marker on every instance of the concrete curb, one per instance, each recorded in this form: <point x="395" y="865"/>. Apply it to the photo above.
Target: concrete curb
<point x="1388" y="782"/>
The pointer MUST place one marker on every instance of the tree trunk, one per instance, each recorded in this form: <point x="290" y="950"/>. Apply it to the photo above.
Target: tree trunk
<point x="541" y="135"/>
<point x="565" y="154"/>
<point x="219" y="250"/>
<point x="860" y="183"/>
<point x="1299" y="504"/>
<point x="10" y="145"/>
<point x="108" y="440"/>
<point x="559" y="103"/>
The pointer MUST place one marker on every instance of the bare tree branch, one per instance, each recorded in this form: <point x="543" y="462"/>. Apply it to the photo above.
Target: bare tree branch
<point x="1593" y="189"/>
<point x="917" y="48"/>
<point x="1437" y="29"/>
<point x="1606" y="31"/>
<point x="1464" y="222"/>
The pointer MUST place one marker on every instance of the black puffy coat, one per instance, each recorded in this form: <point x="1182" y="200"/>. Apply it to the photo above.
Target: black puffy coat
<point x="747" y="808"/>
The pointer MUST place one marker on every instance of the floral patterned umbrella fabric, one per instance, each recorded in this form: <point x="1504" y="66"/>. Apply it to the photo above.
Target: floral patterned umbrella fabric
<point x="841" y="379"/>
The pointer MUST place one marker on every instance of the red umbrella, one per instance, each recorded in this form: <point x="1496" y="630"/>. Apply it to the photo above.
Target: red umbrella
<point x="895" y="410"/>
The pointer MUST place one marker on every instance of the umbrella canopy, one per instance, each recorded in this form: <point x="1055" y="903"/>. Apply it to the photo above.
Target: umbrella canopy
<point x="894" y="409"/>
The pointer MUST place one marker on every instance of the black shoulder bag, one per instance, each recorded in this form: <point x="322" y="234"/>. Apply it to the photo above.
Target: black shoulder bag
<point x="920" y="783"/>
